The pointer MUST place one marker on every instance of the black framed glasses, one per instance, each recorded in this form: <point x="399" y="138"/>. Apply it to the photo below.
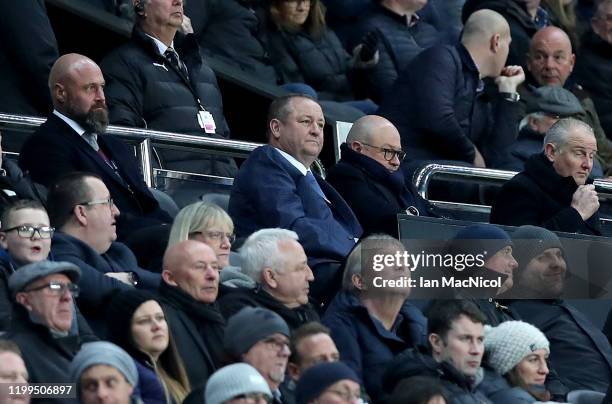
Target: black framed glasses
<point x="389" y="154"/>
<point x="58" y="288"/>
<point x="25" y="231"/>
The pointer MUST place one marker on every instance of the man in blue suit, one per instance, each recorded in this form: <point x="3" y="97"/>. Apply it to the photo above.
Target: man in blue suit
<point x="276" y="188"/>
<point x="73" y="139"/>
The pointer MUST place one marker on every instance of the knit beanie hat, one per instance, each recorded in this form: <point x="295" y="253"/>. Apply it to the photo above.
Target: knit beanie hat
<point x="249" y="326"/>
<point x="234" y="380"/>
<point x="102" y="353"/>
<point x="531" y="241"/>
<point x="478" y="238"/>
<point x="511" y="341"/>
<point x="318" y="378"/>
<point x="119" y="315"/>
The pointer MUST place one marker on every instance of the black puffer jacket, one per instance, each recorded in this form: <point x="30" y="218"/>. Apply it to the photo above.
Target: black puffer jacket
<point x="321" y="62"/>
<point x="397" y="44"/>
<point x="594" y="71"/>
<point x="522" y="26"/>
<point x="143" y="90"/>
<point x="460" y="390"/>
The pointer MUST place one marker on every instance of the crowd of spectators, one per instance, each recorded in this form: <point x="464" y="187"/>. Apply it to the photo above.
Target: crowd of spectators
<point x="274" y="298"/>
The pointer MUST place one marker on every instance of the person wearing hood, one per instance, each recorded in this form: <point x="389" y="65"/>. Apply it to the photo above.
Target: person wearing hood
<point x="368" y="177"/>
<point x="276" y="263"/>
<point x="371" y="323"/>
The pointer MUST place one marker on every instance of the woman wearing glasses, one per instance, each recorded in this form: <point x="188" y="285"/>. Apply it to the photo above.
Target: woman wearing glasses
<point x="138" y="325"/>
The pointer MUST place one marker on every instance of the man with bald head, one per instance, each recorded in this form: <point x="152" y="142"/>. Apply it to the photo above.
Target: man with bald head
<point x="189" y="289"/>
<point x="438" y="104"/>
<point x="73" y="139"/>
<point x="369" y="179"/>
<point x="550" y="62"/>
<point x="594" y="65"/>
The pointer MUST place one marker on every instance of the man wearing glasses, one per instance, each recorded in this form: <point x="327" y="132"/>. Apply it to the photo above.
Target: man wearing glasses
<point x="44" y="293"/>
<point x="85" y="216"/>
<point x="368" y="177"/>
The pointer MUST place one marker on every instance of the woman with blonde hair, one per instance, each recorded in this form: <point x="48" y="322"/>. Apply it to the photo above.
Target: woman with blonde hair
<point x="208" y="223"/>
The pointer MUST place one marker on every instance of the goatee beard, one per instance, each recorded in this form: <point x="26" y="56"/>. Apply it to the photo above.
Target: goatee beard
<point x="96" y="120"/>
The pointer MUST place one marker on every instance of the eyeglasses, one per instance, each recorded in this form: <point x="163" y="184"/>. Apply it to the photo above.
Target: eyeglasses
<point x="25" y="231"/>
<point x="389" y="154"/>
<point x="109" y="201"/>
<point x="217" y="235"/>
<point x="277" y="344"/>
<point x="58" y="288"/>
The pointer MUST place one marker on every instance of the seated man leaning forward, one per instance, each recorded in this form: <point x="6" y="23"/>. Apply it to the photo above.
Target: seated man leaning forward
<point x="276" y="188"/>
<point x="555" y="191"/>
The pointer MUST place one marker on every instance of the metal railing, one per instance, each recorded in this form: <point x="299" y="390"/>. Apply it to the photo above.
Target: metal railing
<point x="145" y="140"/>
<point x="423" y="177"/>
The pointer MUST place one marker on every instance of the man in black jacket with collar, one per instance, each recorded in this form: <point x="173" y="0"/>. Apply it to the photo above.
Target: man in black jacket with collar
<point x="368" y="177"/>
<point x="160" y="81"/>
<point x="554" y="191"/>
<point x="73" y="139"/>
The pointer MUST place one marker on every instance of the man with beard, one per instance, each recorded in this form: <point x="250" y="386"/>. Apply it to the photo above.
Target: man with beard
<point x="73" y="139"/>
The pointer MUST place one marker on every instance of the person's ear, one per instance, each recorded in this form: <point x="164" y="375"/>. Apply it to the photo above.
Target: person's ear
<point x="59" y="93"/>
<point x="168" y="277"/>
<point x="274" y="126"/>
<point x="22" y="299"/>
<point x="80" y="214"/>
<point x="436" y="343"/>
<point x="3" y="242"/>
<point x="293" y="370"/>
<point x="357" y="281"/>
<point x="550" y="151"/>
<point x="357" y="146"/>
<point x="268" y="278"/>
<point x="495" y="39"/>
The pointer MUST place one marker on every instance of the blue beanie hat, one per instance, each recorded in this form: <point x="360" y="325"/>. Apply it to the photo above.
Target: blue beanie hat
<point x="318" y="378"/>
<point x="478" y="239"/>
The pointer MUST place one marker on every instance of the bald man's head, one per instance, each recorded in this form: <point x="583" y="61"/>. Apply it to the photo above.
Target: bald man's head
<point x="76" y="84"/>
<point x="378" y="139"/>
<point x="486" y="35"/>
<point x="192" y="267"/>
<point x="550" y="59"/>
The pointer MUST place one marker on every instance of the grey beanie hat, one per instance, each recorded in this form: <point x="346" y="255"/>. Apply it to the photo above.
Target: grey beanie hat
<point x="234" y="380"/>
<point x="511" y="341"/>
<point x="531" y="241"/>
<point x="554" y="100"/>
<point x="31" y="272"/>
<point x="103" y="353"/>
<point x="249" y="326"/>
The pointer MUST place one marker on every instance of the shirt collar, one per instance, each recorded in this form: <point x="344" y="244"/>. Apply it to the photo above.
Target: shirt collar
<point x="71" y="122"/>
<point x="401" y="18"/>
<point x="160" y="45"/>
<point x="301" y="167"/>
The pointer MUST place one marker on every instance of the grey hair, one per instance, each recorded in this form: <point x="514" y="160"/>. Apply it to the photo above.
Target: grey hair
<point x="599" y="7"/>
<point x="525" y="120"/>
<point x="353" y="265"/>
<point x="261" y="250"/>
<point x="559" y="132"/>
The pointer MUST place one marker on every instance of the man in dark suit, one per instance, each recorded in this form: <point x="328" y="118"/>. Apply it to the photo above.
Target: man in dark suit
<point x="73" y="139"/>
<point x="275" y="188"/>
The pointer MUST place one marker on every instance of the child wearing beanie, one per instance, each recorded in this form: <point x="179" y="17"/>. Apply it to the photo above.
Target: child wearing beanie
<point x="518" y="351"/>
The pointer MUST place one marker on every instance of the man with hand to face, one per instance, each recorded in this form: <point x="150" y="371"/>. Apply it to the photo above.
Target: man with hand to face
<point x="555" y="191"/>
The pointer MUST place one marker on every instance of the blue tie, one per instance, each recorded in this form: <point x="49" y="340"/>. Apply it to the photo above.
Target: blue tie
<point x="312" y="181"/>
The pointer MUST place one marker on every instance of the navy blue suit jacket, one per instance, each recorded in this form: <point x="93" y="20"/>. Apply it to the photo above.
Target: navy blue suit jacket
<point x="55" y="150"/>
<point x="270" y="192"/>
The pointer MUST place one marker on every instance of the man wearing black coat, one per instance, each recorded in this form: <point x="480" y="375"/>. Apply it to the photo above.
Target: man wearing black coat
<point x="73" y="139"/>
<point x="188" y="294"/>
<point x="276" y="261"/>
<point x="368" y="177"/>
<point x="160" y="81"/>
<point x="554" y="191"/>
<point x="439" y="106"/>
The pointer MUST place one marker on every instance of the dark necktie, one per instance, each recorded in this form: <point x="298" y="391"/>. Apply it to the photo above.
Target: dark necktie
<point x="312" y="181"/>
<point x="173" y="58"/>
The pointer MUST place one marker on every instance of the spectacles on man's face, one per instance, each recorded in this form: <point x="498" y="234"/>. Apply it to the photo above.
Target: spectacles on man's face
<point x="108" y="201"/>
<point x="217" y="235"/>
<point x="277" y="344"/>
<point x="25" y="231"/>
<point x="58" y="288"/>
<point x="389" y="154"/>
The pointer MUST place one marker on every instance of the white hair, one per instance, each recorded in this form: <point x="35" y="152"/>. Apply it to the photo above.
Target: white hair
<point x="261" y="250"/>
<point x="560" y="131"/>
<point x="525" y="120"/>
